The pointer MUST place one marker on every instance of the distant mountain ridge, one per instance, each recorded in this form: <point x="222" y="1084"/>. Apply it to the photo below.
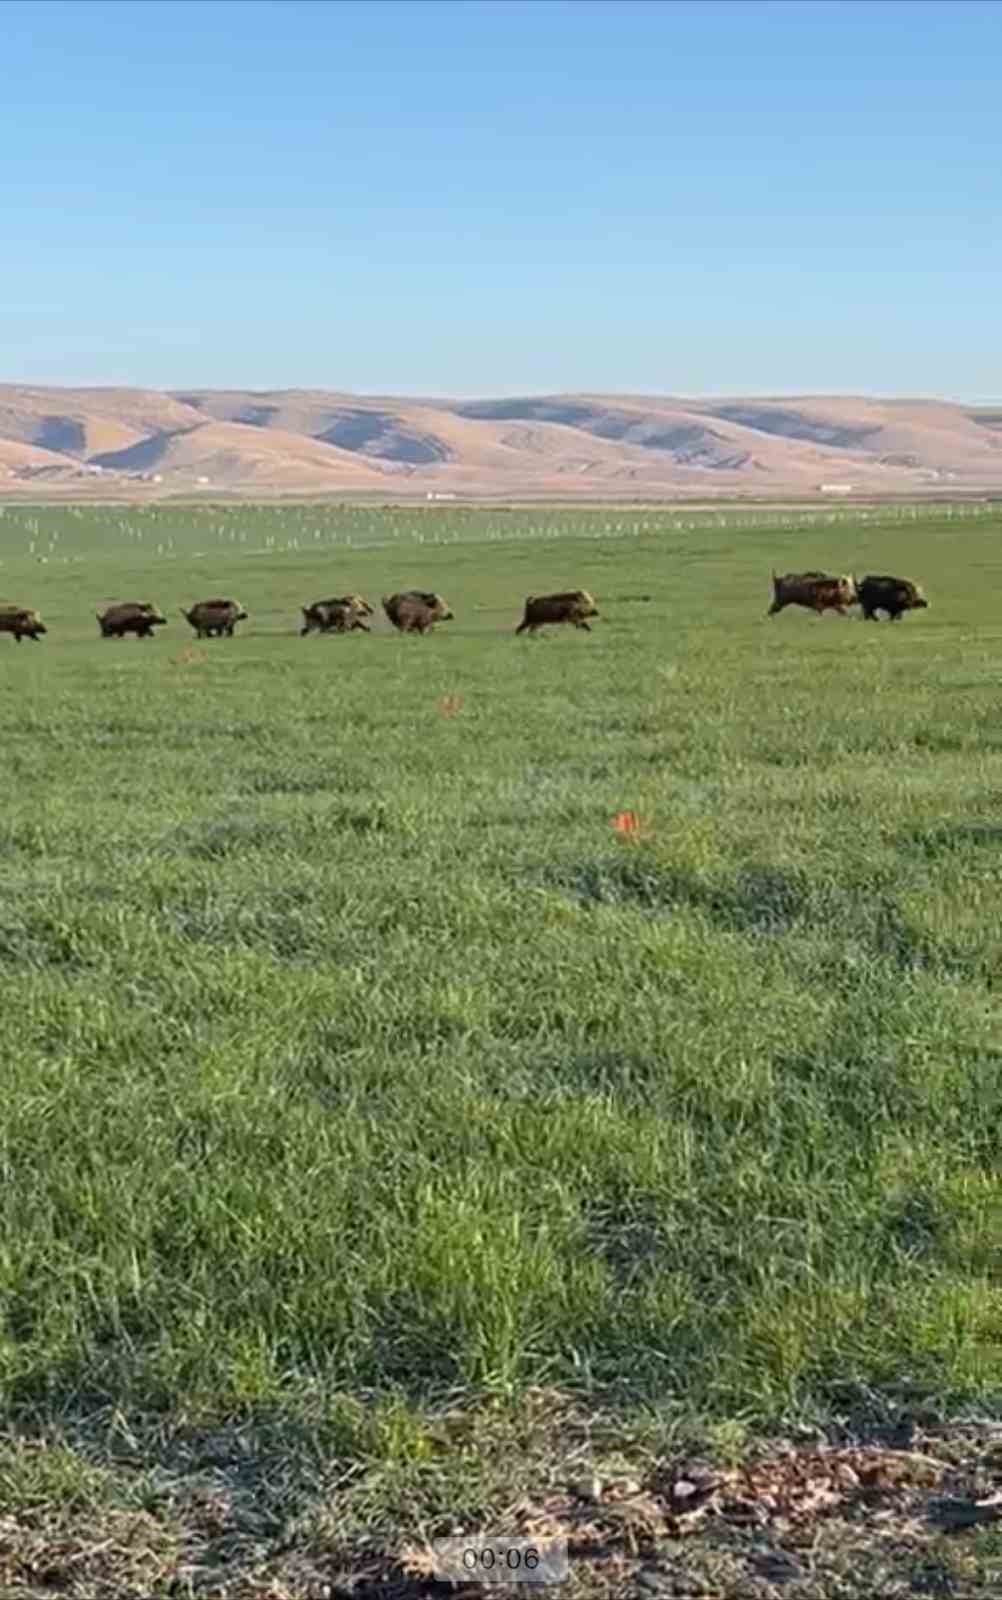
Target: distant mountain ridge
<point x="66" y="441"/>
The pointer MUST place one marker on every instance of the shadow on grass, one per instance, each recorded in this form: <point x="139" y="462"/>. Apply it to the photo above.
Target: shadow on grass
<point x="757" y="898"/>
<point x="220" y="837"/>
<point x="629" y="1239"/>
<point x="950" y="837"/>
<point x="611" y="1071"/>
<point x="39" y="941"/>
<point x="290" y="783"/>
<point x="768" y="900"/>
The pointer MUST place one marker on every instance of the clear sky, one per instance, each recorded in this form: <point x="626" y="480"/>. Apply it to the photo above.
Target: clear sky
<point x="479" y="197"/>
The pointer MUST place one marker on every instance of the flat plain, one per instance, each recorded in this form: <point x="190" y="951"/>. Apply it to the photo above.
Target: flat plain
<point x="430" y="1061"/>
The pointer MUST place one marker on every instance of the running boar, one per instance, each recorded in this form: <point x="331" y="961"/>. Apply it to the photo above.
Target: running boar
<point x="893" y="595"/>
<point x="215" y="618"/>
<point x="416" y="610"/>
<point x="131" y="616"/>
<point x="22" y="621"/>
<point x="816" y="591"/>
<point x="344" y="614"/>
<point x="573" y="605"/>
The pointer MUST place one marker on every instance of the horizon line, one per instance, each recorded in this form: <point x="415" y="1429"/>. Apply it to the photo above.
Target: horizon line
<point x="506" y="393"/>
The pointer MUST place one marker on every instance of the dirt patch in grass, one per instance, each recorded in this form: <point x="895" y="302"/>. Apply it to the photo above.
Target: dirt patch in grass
<point x="348" y="1504"/>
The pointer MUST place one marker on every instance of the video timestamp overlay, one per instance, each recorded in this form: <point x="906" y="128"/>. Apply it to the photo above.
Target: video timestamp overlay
<point x="499" y="1560"/>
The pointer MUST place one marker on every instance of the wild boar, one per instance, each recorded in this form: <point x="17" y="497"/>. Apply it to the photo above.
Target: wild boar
<point x="343" y="614"/>
<point x="892" y="595"/>
<point x="215" y="618"/>
<point x="22" y="621"/>
<point x="573" y="605"/>
<point x="131" y="616"/>
<point x="416" y="610"/>
<point x="816" y="591"/>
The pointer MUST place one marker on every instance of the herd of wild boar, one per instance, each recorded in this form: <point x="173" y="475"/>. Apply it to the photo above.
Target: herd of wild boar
<point x="410" y="611"/>
<point x="418" y="610"/>
<point x="819" y="591"/>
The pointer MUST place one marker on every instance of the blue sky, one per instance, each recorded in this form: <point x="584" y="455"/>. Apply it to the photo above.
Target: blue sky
<point x="478" y="197"/>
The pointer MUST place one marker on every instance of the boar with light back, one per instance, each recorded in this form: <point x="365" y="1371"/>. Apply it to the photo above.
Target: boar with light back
<point x="213" y="619"/>
<point x="815" y="591"/>
<point x="416" y="610"/>
<point x="130" y="616"/>
<point x="344" y="614"/>
<point x="573" y="605"/>
<point x="894" y="596"/>
<point x="23" y="622"/>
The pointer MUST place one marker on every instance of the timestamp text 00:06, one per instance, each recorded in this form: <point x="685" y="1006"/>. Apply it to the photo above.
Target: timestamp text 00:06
<point x="512" y="1558"/>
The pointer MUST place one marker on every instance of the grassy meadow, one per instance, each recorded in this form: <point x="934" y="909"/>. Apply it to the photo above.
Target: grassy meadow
<point x="356" y="1063"/>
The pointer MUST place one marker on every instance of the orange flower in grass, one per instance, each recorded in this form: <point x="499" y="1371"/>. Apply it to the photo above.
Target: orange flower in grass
<point x="450" y="704"/>
<point x="630" y="825"/>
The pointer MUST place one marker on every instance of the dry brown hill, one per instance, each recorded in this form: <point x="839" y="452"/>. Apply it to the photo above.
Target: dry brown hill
<point x="320" y="442"/>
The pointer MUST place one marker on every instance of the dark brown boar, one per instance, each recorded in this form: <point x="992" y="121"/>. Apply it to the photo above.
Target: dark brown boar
<point x="344" y="614"/>
<point x="213" y="619"/>
<point x="815" y="591"/>
<point x="573" y="606"/>
<point x="416" y="610"/>
<point x="22" y="621"/>
<point x="130" y="616"/>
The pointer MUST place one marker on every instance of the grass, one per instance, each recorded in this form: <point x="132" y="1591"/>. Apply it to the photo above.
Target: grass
<point x="356" y="1065"/>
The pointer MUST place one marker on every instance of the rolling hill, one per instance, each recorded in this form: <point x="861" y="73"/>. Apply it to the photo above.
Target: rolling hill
<point x="137" y="442"/>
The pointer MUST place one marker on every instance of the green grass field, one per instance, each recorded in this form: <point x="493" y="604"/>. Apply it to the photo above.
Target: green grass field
<point x="355" y="1063"/>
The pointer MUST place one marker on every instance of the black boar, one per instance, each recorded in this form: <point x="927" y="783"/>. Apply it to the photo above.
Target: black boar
<point x="893" y="595"/>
